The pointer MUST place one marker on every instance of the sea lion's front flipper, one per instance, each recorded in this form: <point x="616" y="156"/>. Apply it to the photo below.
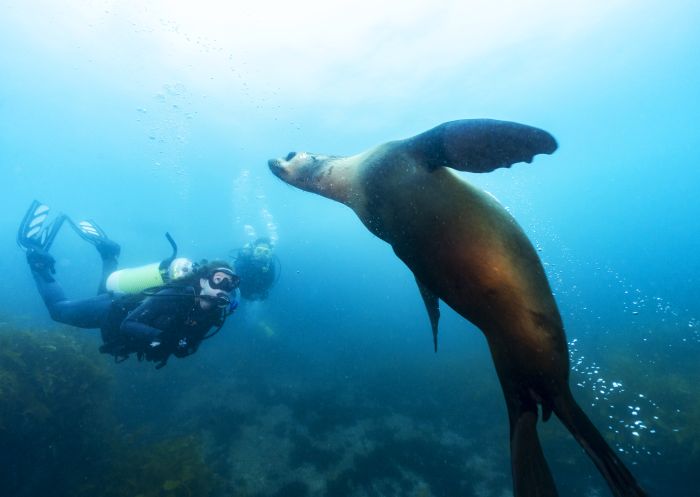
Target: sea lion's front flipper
<point x="432" y="305"/>
<point x="479" y="145"/>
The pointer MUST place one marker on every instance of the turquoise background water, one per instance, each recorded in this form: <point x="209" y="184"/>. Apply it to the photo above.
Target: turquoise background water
<point x="154" y="117"/>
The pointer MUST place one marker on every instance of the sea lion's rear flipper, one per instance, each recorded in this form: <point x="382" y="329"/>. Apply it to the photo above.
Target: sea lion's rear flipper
<point x="620" y="480"/>
<point x="531" y="474"/>
<point x="432" y="305"/>
<point x="479" y="145"/>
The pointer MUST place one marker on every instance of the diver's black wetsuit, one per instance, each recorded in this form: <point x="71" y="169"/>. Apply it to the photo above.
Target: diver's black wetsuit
<point x="257" y="275"/>
<point x="129" y="324"/>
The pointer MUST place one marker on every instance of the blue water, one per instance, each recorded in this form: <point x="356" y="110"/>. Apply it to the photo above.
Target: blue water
<point x="157" y="118"/>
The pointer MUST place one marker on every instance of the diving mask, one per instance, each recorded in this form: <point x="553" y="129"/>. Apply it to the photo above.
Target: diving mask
<point x="223" y="279"/>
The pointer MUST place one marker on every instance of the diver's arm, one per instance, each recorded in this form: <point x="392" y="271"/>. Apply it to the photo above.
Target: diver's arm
<point x="134" y="329"/>
<point x="140" y="323"/>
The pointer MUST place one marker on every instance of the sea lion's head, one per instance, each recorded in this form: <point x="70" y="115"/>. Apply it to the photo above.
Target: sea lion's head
<point x="310" y="172"/>
<point x="301" y="169"/>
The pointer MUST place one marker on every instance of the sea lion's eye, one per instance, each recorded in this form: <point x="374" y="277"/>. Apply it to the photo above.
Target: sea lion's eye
<point x="290" y="156"/>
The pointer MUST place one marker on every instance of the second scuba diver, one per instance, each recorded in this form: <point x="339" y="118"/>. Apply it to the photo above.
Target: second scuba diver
<point x="258" y="268"/>
<point x="185" y="301"/>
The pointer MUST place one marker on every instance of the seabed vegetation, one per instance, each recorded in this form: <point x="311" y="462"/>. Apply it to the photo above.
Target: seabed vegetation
<point x="72" y="423"/>
<point x="59" y="436"/>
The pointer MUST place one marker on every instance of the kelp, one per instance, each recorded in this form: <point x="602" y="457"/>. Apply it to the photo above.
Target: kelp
<point x="657" y="416"/>
<point x="53" y="396"/>
<point x="58" y="434"/>
<point x="173" y="467"/>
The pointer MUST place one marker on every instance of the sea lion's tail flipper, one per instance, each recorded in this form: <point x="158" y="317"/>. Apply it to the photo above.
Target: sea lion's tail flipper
<point x="479" y="145"/>
<point x="531" y="475"/>
<point x="620" y="480"/>
<point x="432" y="305"/>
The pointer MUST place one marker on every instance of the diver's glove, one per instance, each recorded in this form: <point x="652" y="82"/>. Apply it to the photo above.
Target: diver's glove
<point x="184" y="348"/>
<point x="155" y="350"/>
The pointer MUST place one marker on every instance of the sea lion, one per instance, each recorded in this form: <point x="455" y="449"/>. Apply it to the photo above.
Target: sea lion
<point x="465" y="249"/>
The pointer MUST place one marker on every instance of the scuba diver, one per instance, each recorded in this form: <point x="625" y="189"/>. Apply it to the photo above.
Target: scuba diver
<point x="257" y="267"/>
<point x="153" y="311"/>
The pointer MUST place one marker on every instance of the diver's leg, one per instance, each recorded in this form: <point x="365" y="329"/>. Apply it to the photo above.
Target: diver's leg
<point x="84" y="313"/>
<point x="36" y="238"/>
<point x="109" y="265"/>
<point x="108" y="250"/>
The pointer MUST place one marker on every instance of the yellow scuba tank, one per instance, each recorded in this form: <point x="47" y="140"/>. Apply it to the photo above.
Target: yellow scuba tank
<point x="138" y="279"/>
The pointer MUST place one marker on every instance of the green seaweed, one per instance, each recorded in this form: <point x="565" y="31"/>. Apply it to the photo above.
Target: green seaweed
<point x="53" y="398"/>
<point x="174" y="467"/>
<point x="58" y="434"/>
<point x="661" y="376"/>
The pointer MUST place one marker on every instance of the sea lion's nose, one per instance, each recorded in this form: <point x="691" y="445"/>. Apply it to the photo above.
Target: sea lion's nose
<point x="290" y="156"/>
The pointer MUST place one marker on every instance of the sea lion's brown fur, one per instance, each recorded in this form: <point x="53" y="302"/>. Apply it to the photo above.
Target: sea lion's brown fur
<point x="465" y="249"/>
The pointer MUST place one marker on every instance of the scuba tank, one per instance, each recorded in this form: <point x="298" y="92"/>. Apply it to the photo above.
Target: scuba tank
<point x="138" y="279"/>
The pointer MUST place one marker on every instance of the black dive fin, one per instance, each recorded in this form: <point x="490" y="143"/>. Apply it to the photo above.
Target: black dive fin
<point x="432" y="305"/>
<point x="89" y="231"/>
<point x="33" y="234"/>
<point x="479" y="145"/>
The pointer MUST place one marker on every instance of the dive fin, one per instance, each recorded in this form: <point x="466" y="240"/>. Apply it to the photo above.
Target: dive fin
<point x="91" y="232"/>
<point x="432" y="305"/>
<point x="32" y="233"/>
<point x="479" y="145"/>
